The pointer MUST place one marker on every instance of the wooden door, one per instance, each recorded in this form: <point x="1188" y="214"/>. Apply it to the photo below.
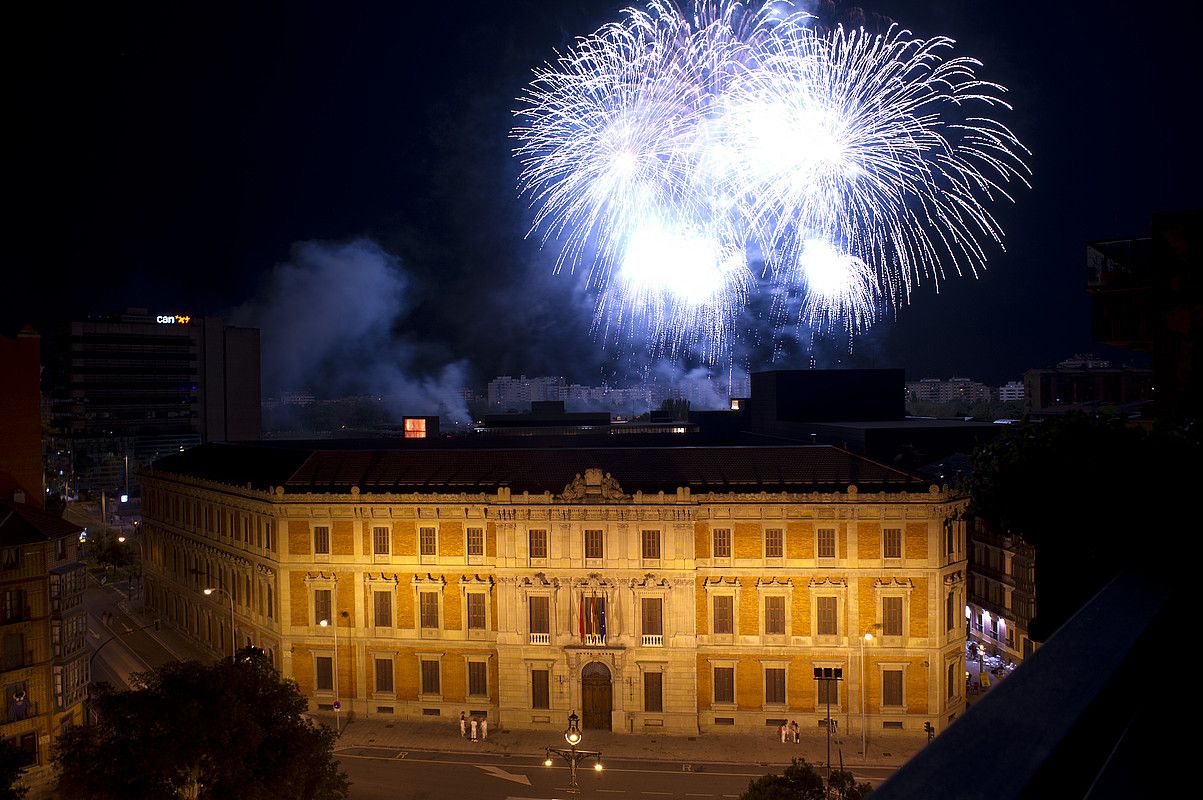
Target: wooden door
<point x="597" y="699"/>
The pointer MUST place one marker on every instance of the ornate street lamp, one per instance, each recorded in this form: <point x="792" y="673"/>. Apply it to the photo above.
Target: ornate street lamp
<point x="571" y="754"/>
<point x="829" y="676"/>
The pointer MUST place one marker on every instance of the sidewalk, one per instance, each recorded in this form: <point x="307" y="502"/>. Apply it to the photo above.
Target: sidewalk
<point x="884" y="750"/>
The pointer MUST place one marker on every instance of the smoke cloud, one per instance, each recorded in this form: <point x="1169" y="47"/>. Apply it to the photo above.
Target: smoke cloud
<point x="333" y="320"/>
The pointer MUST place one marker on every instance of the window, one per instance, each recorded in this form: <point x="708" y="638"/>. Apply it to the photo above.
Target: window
<point x="722" y="543"/>
<point x="653" y="691"/>
<point x="950" y="611"/>
<point x="952" y="680"/>
<point x="428" y="541"/>
<point x="948" y="539"/>
<point x="827" y="616"/>
<point x="651" y="545"/>
<point x="891" y="616"/>
<point x="321" y="540"/>
<point x="321" y="605"/>
<point x="380" y="541"/>
<point x="384" y="674"/>
<point x="478" y="678"/>
<point x="891" y="687"/>
<point x="891" y="543"/>
<point x="774" y="685"/>
<point x="382" y="604"/>
<point x="653" y="621"/>
<point x="594" y="544"/>
<point x="415" y="428"/>
<point x="539" y="615"/>
<point x="826" y="543"/>
<point x="476" y="541"/>
<point x="829" y="690"/>
<point x="324" y="672"/>
<point x="774" y="543"/>
<point x="538" y="545"/>
<point x="540" y="684"/>
<point x="724" y="614"/>
<point x="774" y="615"/>
<point x="724" y="684"/>
<point x="429" y="607"/>
<point x="430" y="676"/>
<point x="476" y="611"/>
<point x="271" y="604"/>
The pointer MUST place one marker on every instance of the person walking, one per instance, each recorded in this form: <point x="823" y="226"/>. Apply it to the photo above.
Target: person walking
<point x="474" y="729"/>
<point x="795" y="732"/>
<point x="781" y="731"/>
<point x="484" y="728"/>
<point x="463" y="726"/>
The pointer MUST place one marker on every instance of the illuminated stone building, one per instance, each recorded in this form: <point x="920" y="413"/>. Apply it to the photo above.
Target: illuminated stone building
<point x="657" y="587"/>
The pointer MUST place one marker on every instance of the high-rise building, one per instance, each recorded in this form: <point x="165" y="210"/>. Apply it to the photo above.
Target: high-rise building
<point x="131" y="387"/>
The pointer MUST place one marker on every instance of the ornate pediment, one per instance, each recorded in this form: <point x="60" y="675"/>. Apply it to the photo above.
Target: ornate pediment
<point x="593" y="487"/>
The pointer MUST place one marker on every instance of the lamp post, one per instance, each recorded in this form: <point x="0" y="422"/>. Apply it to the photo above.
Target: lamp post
<point x="337" y="704"/>
<point x="233" y="641"/>
<point x="828" y="676"/>
<point x="129" y="591"/>
<point x="571" y="754"/>
<point x="981" y="652"/>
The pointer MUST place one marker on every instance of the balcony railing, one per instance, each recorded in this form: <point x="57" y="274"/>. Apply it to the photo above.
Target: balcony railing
<point x="653" y="640"/>
<point x="540" y="638"/>
<point x="595" y="639"/>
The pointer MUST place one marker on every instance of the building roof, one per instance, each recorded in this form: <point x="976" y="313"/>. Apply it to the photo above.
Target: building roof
<point x="332" y="467"/>
<point x="21" y="523"/>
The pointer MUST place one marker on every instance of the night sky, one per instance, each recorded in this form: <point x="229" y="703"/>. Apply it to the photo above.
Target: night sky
<point x="180" y="156"/>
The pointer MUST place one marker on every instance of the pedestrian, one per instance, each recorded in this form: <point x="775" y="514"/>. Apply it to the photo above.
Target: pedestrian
<point x="463" y="726"/>
<point x="795" y="732"/>
<point x="474" y="729"/>
<point x="781" y="731"/>
<point x="484" y="728"/>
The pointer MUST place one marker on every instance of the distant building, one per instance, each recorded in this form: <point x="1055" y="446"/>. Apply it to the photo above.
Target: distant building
<point x="131" y="387"/>
<point x="21" y="417"/>
<point x="1002" y="593"/>
<point x="1011" y="392"/>
<point x="935" y="390"/>
<point x="1086" y="383"/>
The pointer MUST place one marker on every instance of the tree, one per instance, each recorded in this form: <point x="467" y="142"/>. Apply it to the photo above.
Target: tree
<point x="801" y="781"/>
<point x="12" y="764"/>
<point x="233" y="729"/>
<point x="1078" y="489"/>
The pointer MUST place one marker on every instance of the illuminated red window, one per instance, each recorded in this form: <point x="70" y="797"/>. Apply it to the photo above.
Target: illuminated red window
<point x="415" y="429"/>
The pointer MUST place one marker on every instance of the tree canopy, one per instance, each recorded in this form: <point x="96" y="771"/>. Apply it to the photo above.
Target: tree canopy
<point x="12" y="764"/>
<point x="801" y="781"/>
<point x="1079" y="489"/>
<point x="233" y="729"/>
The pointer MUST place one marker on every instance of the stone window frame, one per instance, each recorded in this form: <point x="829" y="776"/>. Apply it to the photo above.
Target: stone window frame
<point x="656" y="665"/>
<point x="771" y="587"/>
<point x="314" y="583"/>
<point x="764" y="546"/>
<point x="476" y="658"/>
<point x="765" y="665"/>
<point x="828" y="588"/>
<point x="424" y="557"/>
<point x="717" y="560"/>
<point x="375" y="655"/>
<point x="594" y="561"/>
<point x="644" y="559"/>
<point x="891" y="666"/>
<point x="835" y="544"/>
<point x="533" y="665"/>
<point x="893" y="588"/>
<point x="429" y="583"/>
<point x="724" y="663"/>
<point x="721" y="588"/>
<point x="381" y="582"/>
<point x="387" y="555"/>
<point x="898" y="559"/>
<point x="323" y="652"/>
<point x="531" y="558"/>
<point x="313" y="540"/>
<point x="474" y="558"/>
<point x="539" y="591"/>
<point x="476" y="585"/>
<point x="428" y="656"/>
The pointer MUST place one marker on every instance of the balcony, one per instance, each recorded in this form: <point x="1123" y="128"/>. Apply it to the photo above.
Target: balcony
<point x="595" y="639"/>
<point x="540" y="638"/>
<point x="653" y="640"/>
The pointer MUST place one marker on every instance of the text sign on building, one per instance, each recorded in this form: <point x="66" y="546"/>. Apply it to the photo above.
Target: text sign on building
<point x="173" y="319"/>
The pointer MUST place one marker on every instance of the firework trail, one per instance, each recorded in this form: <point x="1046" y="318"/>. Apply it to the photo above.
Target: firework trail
<point x="669" y="151"/>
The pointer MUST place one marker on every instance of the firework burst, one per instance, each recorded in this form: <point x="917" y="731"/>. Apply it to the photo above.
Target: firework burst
<point x="667" y="151"/>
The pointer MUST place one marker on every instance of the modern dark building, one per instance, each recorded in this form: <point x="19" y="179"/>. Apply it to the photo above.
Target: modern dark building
<point x="20" y="417"/>
<point x="131" y="387"/>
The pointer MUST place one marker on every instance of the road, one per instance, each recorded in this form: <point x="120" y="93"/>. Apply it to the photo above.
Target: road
<point x="378" y="773"/>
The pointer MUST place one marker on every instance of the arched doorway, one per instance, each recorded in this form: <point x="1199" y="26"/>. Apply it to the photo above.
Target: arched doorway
<point x="597" y="699"/>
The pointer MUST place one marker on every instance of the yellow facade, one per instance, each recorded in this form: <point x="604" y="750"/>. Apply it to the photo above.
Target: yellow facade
<point x="717" y="607"/>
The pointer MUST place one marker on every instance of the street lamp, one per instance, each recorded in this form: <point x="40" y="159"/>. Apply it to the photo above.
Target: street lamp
<point x="129" y="591"/>
<point x="337" y="705"/>
<point x="868" y="637"/>
<point x="828" y="676"/>
<point x="233" y="641"/>
<point x="572" y="755"/>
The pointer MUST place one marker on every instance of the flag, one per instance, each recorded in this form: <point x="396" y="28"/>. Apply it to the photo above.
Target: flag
<point x="602" y="612"/>
<point x="593" y="626"/>
<point x="580" y="614"/>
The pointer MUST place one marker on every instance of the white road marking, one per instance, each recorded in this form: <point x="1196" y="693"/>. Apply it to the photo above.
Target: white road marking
<point x="498" y="772"/>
